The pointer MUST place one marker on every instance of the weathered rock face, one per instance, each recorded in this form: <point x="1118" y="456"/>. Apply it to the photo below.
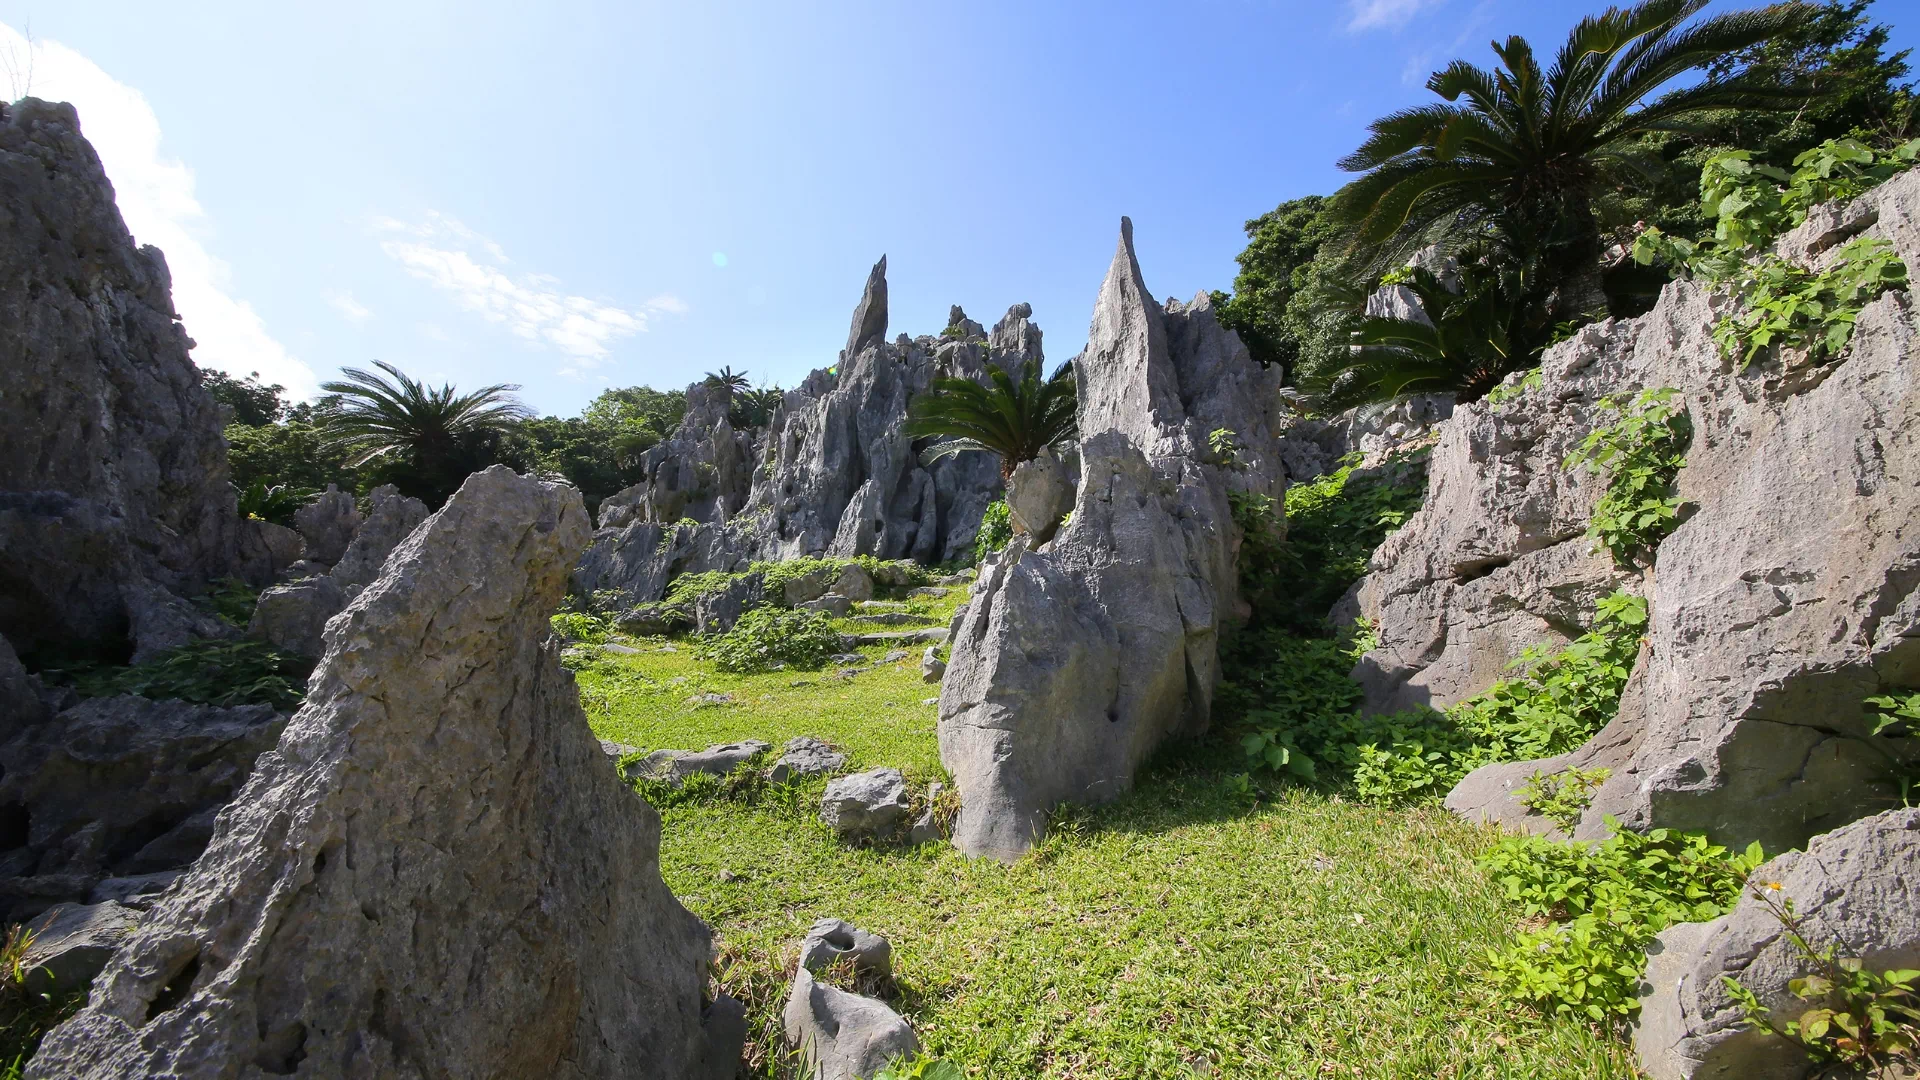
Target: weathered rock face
<point x="1039" y="494"/>
<point x="113" y="472"/>
<point x="292" y="617"/>
<point x="639" y="559"/>
<point x="1313" y="448"/>
<point x="1786" y="595"/>
<point x="842" y="1035"/>
<point x="435" y="873"/>
<point x="117" y="786"/>
<point x="327" y="525"/>
<point x="1075" y="660"/>
<point x="839" y="477"/>
<point x="391" y="518"/>
<point x="71" y="943"/>
<point x="868" y="806"/>
<point x="701" y="472"/>
<point x="1852" y="889"/>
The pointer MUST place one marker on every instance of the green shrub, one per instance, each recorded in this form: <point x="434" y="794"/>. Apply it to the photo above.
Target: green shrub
<point x="1564" y="796"/>
<point x="996" y="528"/>
<point x="1784" y="305"/>
<point x="583" y="627"/>
<point x="272" y="502"/>
<point x="767" y="637"/>
<point x="1643" y="451"/>
<point x="1606" y="902"/>
<point x="687" y="586"/>
<point x="235" y="672"/>
<point x="923" y="1068"/>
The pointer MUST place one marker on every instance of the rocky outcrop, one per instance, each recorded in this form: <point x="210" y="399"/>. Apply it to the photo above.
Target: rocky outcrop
<point x="327" y="525"/>
<point x="71" y="943"/>
<point x="114" y="492"/>
<point x="435" y="873"/>
<point x="839" y="477"/>
<point x="391" y="518"/>
<point x="1852" y="891"/>
<point x="699" y="473"/>
<point x="117" y="786"/>
<point x="1311" y="448"/>
<point x="1074" y="660"/>
<point x="639" y="559"/>
<point x="292" y="617"/>
<point x="1786" y="595"/>
<point x="868" y="807"/>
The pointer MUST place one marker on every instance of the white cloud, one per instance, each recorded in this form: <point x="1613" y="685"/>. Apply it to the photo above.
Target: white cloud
<point x="1374" y="14"/>
<point x="350" y="309"/>
<point x="155" y="195"/>
<point x="473" y="269"/>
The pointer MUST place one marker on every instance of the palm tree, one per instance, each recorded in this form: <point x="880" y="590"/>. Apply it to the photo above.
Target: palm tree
<point x="1013" y="418"/>
<point x="1473" y="336"/>
<point x="1528" y="152"/>
<point x="438" y="435"/>
<point x="727" y="379"/>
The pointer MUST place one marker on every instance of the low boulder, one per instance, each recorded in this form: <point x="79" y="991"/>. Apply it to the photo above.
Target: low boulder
<point x="869" y="806"/>
<point x="71" y="943"/>
<point x="327" y="525"/>
<point x="654" y="620"/>
<point x="1039" y="495"/>
<point x="806" y="756"/>
<point x="833" y="940"/>
<point x="932" y="668"/>
<point x="854" y="583"/>
<point x="1852" y="890"/>
<point x="811" y="585"/>
<point x="715" y="612"/>
<point x="842" y="1035"/>
<point x="674" y="766"/>
<point x="834" y="607"/>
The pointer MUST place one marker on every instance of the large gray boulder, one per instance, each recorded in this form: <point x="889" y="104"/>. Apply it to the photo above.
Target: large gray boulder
<point x="435" y="874"/>
<point x="391" y="518"/>
<point x="113" y="471"/>
<point x="1786" y="595"/>
<point x="117" y="786"/>
<point x="715" y="612"/>
<point x="1074" y="662"/>
<point x="1852" y="890"/>
<point x="1038" y="495"/>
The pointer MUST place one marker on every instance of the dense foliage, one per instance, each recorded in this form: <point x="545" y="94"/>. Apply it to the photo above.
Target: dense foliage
<point x="996" y="528"/>
<point x="1642" y="454"/>
<point x="770" y="637"/>
<point x="1604" y="903"/>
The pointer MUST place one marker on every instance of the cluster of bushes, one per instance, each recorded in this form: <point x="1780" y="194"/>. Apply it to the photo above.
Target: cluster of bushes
<point x="1522" y="203"/>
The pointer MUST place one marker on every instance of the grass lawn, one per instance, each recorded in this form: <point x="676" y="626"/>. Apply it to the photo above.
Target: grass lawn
<point x="1197" y="927"/>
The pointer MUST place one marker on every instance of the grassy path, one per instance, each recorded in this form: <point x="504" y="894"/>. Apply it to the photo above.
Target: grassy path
<point x="1197" y="927"/>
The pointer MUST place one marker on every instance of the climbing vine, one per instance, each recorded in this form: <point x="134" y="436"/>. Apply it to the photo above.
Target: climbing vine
<point x="1643" y="452"/>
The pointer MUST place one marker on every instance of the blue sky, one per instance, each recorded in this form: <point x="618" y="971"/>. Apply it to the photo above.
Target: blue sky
<point x="572" y="196"/>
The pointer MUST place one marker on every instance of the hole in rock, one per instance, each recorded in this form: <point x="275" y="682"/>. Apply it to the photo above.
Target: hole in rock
<point x="16" y="824"/>
<point x="176" y="990"/>
<point x="282" y="1052"/>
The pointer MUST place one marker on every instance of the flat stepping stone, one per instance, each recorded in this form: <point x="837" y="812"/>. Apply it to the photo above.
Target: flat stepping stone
<point x="806" y="756"/>
<point x="674" y="766"/>
<point x="881" y="605"/>
<point x="929" y="591"/>
<point x="889" y="618"/>
<point x="932" y="635"/>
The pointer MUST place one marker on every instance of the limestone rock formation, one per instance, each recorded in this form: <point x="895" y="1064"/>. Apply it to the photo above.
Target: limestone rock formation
<point x="1074" y="660"/>
<point x="1039" y="494"/>
<point x="435" y="873"/>
<point x="842" y="1035"/>
<point x="1852" y="890"/>
<point x="327" y="525"/>
<point x="806" y="756"/>
<point x="292" y="617"/>
<point x="833" y="940"/>
<point x="674" y="766"/>
<point x="1311" y="448"/>
<point x="699" y="473"/>
<point x="117" y="786"/>
<point x="1786" y="595"/>
<point x="114" y="493"/>
<point x="638" y="559"/>
<point x="391" y="518"/>
<point x="839" y="477"/>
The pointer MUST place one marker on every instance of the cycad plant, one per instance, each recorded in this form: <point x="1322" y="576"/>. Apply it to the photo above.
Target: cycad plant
<point x="431" y="437"/>
<point x="728" y="379"/>
<point x="1475" y="333"/>
<point x="1014" y="417"/>
<point x="1527" y="151"/>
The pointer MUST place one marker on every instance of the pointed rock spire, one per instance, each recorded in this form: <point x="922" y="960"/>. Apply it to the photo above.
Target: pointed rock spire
<point x="870" y="318"/>
<point x="1127" y="381"/>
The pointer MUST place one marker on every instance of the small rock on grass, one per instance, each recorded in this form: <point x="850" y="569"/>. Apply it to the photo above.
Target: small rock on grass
<point x="843" y="1036"/>
<point x="894" y="656"/>
<point x="832" y="939"/>
<point x="872" y="805"/>
<point x="806" y="756"/>
<point x="932" y="668"/>
<point x="843" y="659"/>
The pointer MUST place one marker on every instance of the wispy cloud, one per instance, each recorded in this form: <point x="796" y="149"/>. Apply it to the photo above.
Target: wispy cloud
<point x="1424" y="62"/>
<point x="475" y="272"/>
<point x="350" y="309"/>
<point x="1375" y="14"/>
<point x="156" y="199"/>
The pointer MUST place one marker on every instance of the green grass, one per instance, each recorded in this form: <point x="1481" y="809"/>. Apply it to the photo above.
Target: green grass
<point x="1199" y="926"/>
